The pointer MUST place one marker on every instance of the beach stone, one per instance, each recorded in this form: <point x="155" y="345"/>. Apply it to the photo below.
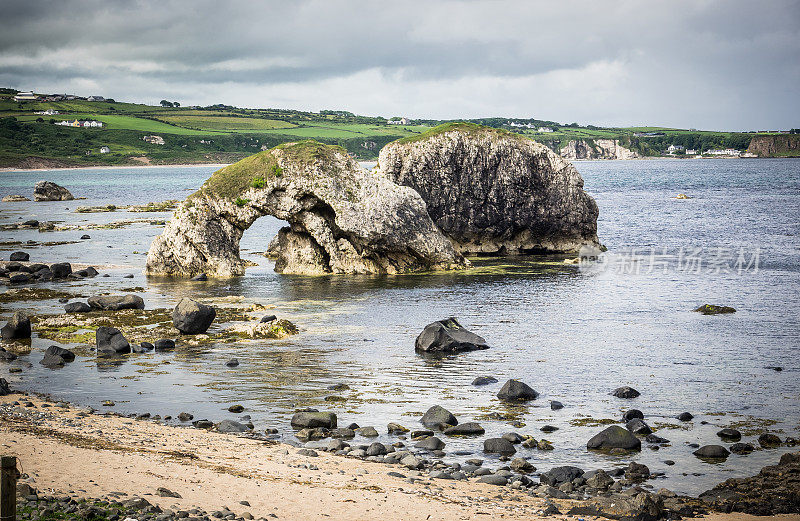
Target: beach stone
<point x="236" y="408"/>
<point x="376" y="449"/>
<point x="19" y="277"/>
<point x="146" y="346"/>
<point x="230" y="426"/>
<point x="626" y="392"/>
<point x="191" y="317"/>
<point x="396" y="428"/>
<point x="498" y="446"/>
<point x="61" y="270"/>
<point x="431" y="443"/>
<point x="514" y="391"/>
<point x="730" y="435"/>
<point x="522" y="465"/>
<point x="494" y="479"/>
<point x="436" y="416"/>
<point x="632" y="414"/>
<point x="548" y="428"/>
<point x="77" y="307"/>
<point x="5" y="356"/>
<point x="164" y="344"/>
<point x="636" y="472"/>
<point x="307" y="419"/>
<point x="110" y="340"/>
<point x="15" y="199"/>
<point x="185" y="417"/>
<point x="199" y="277"/>
<point x="685" y="416"/>
<point x="19" y="256"/>
<point x="614" y="437"/>
<point x="465" y="429"/>
<point x="268" y="318"/>
<point x="513" y="437"/>
<point x="165" y="492"/>
<point x="233" y="362"/>
<point x="49" y="191"/>
<point x="308" y="452"/>
<point x="484" y="380"/>
<point x="203" y="424"/>
<point x="116" y="302"/>
<point x="742" y="448"/>
<point x="4" y="388"/>
<point x="652" y="438"/>
<point x="558" y="475"/>
<point x="55" y="356"/>
<point x="556" y="405"/>
<point x="599" y="479"/>
<point x="343" y="433"/>
<point x="712" y="452"/>
<point x="639" y="427"/>
<point x="769" y="441"/>
<point x="18" y="326"/>
<point x="448" y="336"/>
<point x="367" y="432"/>
<point x="85" y="237"/>
<point x="411" y="462"/>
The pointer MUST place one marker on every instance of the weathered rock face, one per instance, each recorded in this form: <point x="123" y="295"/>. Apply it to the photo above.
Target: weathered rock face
<point x="49" y="191"/>
<point x="343" y="219"/>
<point x="493" y="192"/>
<point x="597" y="149"/>
<point x="775" y="145"/>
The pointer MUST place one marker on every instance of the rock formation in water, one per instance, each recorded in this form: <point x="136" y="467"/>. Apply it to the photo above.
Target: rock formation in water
<point x="597" y="149"/>
<point x="494" y="192"/>
<point x="343" y="219"/>
<point x="49" y="191"/>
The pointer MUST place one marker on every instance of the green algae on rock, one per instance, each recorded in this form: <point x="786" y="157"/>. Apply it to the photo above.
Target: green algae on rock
<point x="713" y="309"/>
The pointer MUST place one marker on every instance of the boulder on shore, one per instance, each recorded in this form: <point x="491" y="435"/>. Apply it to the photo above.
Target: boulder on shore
<point x="77" y="307"/>
<point x="494" y="192"/>
<point x="516" y="391"/>
<point x="110" y="340"/>
<point x="558" y="475"/>
<point x="20" y="256"/>
<point x="191" y="317"/>
<point x="498" y="446"/>
<point x="614" y="437"/>
<point x="49" y="191"/>
<point x="448" y="336"/>
<point x="343" y="219"/>
<point x="313" y="419"/>
<point x="19" y="326"/>
<point x="116" y="302"/>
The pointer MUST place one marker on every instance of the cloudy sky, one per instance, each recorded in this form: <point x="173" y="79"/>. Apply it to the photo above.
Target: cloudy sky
<point x="731" y="64"/>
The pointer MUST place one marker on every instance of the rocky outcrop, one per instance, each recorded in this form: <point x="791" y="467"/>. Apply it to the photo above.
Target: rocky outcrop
<point x="343" y="219"/>
<point x="775" y="145"/>
<point x="49" y="191"/>
<point x="494" y="192"/>
<point x="597" y="149"/>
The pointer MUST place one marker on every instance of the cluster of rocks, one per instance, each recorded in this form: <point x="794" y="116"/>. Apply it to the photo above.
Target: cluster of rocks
<point x="20" y="271"/>
<point x="43" y="191"/>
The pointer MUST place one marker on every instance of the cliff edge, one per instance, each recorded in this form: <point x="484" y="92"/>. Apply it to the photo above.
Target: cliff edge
<point x="775" y="145"/>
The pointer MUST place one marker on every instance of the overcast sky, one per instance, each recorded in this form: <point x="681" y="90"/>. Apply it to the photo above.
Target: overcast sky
<point x="731" y="64"/>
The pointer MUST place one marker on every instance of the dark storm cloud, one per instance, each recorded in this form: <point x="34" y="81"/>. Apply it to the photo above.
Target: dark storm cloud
<point x="710" y="63"/>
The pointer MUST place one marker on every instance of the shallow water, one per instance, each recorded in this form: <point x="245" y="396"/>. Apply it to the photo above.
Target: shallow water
<point x="573" y="333"/>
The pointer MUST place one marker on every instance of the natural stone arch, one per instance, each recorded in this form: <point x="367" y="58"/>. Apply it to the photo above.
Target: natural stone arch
<point x="342" y="219"/>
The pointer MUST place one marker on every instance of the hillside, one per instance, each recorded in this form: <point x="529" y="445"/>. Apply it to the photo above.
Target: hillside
<point x="775" y="145"/>
<point x="221" y="133"/>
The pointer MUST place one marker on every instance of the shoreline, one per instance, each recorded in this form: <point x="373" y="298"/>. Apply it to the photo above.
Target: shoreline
<point x="76" y="451"/>
<point x="97" y="167"/>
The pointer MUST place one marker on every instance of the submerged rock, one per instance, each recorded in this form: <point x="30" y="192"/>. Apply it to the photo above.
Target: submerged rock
<point x="712" y="452"/>
<point x="15" y="199"/>
<point x="116" y="302"/>
<point x="49" y="191"/>
<point x="713" y="309"/>
<point x="191" y="317"/>
<point x="448" y="336"/>
<point x="516" y="391"/>
<point x="55" y="356"/>
<point x="494" y="192"/>
<point x="730" y="435"/>
<point x="110" y="340"/>
<point x="614" y="437"/>
<point x="484" y="380"/>
<point x="343" y="219"/>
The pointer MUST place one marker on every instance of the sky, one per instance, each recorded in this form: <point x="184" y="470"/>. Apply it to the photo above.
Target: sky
<point x="707" y="64"/>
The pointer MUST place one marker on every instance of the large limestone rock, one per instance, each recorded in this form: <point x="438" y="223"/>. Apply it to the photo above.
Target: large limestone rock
<point x="343" y="219"/>
<point x="494" y="192"/>
<point x="49" y="191"/>
<point x="597" y="149"/>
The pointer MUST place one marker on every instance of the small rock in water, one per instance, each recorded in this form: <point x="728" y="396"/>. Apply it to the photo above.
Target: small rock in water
<point x="742" y="448"/>
<point x="498" y="446"/>
<point x="19" y="326"/>
<point x="230" y="426"/>
<point x="268" y="318"/>
<point x="367" y="432"/>
<point x="774" y="368"/>
<point x="84" y="237"/>
<point x="516" y="391"/>
<point x="730" y="434"/>
<point x="164" y="344"/>
<point x="191" y="317"/>
<point x="396" y="428"/>
<point x="432" y="443"/>
<point x="638" y="427"/>
<point x="556" y="405"/>
<point x="20" y="256"/>
<point x="685" y="416"/>
<point x="465" y="429"/>
<point x="712" y="452"/>
<point x="200" y="277"/>
<point x="713" y="309"/>
<point x="436" y="416"/>
<point x="484" y="380"/>
<point x="185" y="417"/>
<point x="626" y="392"/>
<point x="109" y="340"/>
<point x="128" y="276"/>
<point x="614" y="437"/>
<point x="448" y="336"/>
<point x="56" y="356"/>
<point x="631" y="414"/>
<point x="313" y="419"/>
<point x="769" y="441"/>
<point x="233" y="362"/>
<point x="236" y="408"/>
<point x="77" y="307"/>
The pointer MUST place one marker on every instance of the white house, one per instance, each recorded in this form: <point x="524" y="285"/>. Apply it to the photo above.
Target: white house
<point x="26" y="96"/>
<point x="95" y="123"/>
<point x="674" y="148"/>
<point x="545" y="129"/>
<point x="401" y="121"/>
<point x="95" y="98"/>
<point x="154" y="140"/>
<point x="725" y="152"/>
<point x="105" y="150"/>
<point x="691" y="152"/>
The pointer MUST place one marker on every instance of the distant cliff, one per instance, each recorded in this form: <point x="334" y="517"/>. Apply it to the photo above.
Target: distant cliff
<point x="597" y="149"/>
<point x="775" y="145"/>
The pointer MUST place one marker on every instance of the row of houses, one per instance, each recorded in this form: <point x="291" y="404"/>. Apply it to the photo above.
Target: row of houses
<point x="675" y="149"/>
<point x="401" y="121"/>
<point x="79" y="123"/>
<point x="30" y="96"/>
<point x="531" y="126"/>
<point x="48" y="112"/>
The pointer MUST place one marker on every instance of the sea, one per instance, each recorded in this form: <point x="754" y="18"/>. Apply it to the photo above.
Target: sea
<point x="573" y="332"/>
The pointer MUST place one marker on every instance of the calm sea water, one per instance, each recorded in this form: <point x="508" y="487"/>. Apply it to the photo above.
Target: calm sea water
<point x="573" y="333"/>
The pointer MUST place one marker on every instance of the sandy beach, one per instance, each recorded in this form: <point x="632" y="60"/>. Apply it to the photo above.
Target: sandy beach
<point x="62" y="449"/>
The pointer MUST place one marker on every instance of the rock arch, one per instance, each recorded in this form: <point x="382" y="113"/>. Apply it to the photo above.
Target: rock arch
<point x="342" y="219"/>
